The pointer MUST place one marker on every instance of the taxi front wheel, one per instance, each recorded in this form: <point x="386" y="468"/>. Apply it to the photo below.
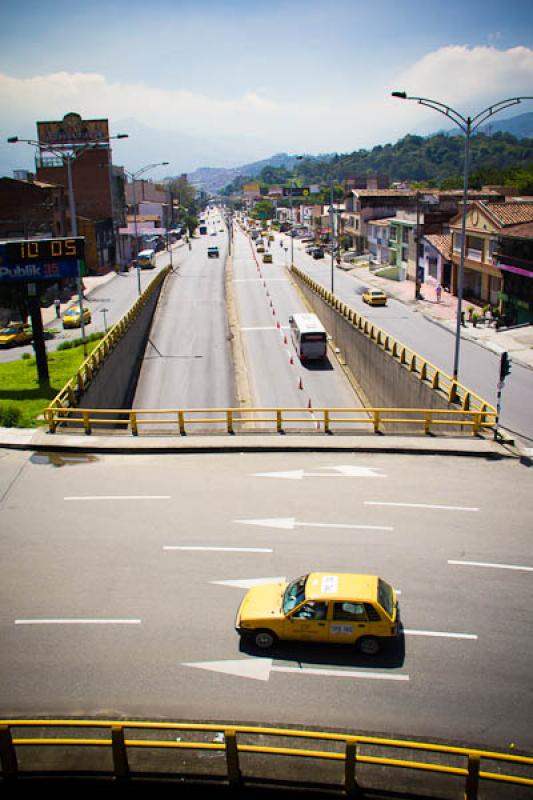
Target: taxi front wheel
<point x="369" y="646"/>
<point x="264" y="639"/>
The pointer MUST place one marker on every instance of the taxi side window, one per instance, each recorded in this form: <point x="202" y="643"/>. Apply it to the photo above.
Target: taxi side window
<point x="312" y="610"/>
<point x="349" y="611"/>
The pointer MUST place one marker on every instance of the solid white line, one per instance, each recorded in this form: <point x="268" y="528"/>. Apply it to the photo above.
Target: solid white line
<point x="445" y="634"/>
<point x="121" y="497"/>
<point x="77" y="622"/>
<point x="224" y="549"/>
<point x="266" y="328"/>
<point x="339" y="673"/>
<point x="420" y="505"/>
<point x="494" y="566"/>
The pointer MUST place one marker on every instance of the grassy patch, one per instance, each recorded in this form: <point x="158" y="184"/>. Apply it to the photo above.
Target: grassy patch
<point x="20" y="390"/>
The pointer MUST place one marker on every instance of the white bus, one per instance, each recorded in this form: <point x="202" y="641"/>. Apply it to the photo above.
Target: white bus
<point x="146" y="259"/>
<point x="309" y="336"/>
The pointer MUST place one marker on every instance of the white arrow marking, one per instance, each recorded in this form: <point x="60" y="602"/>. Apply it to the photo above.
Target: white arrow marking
<point x="222" y="549"/>
<point x="420" y="505"/>
<point x="247" y="583"/>
<point x="493" y="566"/>
<point x="347" y="471"/>
<point x="289" y="524"/>
<point x="445" y="634"/>
<point x="261" y="668"/>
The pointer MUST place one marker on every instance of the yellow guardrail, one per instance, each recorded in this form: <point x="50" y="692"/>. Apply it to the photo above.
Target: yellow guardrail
<point x="68" y="395"/>
<point x="269" y="420"/>
<point x="352" y="751"/>
<point x="415" y="363"/>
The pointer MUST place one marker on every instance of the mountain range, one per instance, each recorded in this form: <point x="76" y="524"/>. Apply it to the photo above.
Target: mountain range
<point x="213" y="179"/>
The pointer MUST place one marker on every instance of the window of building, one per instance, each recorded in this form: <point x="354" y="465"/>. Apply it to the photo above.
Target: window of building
<point x="432" y="266"/>
<point x="405" y="235"/>
<point x="393" y="234"/>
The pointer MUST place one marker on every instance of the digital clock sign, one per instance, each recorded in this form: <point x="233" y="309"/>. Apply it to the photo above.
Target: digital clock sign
<point x="30" y="251"/>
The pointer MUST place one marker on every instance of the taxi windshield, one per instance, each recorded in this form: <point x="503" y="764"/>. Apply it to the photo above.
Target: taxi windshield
<point x="294" y="594"/>
<point x="385" y="597"/>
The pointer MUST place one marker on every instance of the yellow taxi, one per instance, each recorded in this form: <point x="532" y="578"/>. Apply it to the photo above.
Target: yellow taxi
<point x="15" y="333"/>
<point x="72" y="317"/>
<point x="375" y="297"/>
<point x="267" y="258"/>
<point x="270" y="237"/>
<point x="260" y="248"/>
<point x="342" y="608"/>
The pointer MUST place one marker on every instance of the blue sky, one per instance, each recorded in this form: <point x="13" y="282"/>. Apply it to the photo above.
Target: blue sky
<point x="221" y="83"/>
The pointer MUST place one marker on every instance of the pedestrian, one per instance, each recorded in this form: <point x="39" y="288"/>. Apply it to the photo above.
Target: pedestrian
<point x="57" y="304"/>
<point x="438" y="292"/>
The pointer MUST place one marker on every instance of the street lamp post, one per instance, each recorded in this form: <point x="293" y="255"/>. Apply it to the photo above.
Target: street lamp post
<point x="133" y="176"/>
<point x="468" y="125"/>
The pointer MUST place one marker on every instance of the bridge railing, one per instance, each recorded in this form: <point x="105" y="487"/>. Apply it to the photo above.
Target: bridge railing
<point x="66" y="741"/>
<point x="270" y="420"/>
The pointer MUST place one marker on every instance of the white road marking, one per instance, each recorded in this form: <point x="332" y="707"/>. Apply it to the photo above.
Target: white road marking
<point x="340" y="472"/>
<point x="420" y="505"/>
<point x="493" y="566"/>
<point x="260" y="280"/>
<point x="445" y="634"/>
<point x="77" y="622"/>
<point x="289" y="524"/>
<point x="121" y="497"/>
<point x="260" y="669"/>
<point x="247" y="583"/>
<point x="264" y="328"/>
<point x="223" y="549"/>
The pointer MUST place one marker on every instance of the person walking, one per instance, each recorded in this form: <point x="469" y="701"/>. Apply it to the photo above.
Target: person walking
<point x="438" y="292"/>
<point x="57" y="304"/>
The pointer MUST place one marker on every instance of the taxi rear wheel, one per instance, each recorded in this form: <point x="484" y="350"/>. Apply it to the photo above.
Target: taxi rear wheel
<point x="264" y="639"/>
<point x="369" y="646"/>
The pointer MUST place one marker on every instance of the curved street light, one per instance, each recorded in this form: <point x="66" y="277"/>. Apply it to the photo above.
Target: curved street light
<point x="134" y="176"/>
<point x="468" y="125"/>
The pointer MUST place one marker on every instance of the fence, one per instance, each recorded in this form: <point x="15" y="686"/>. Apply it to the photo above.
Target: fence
<point x="269" y="420"/>
<point x="121" y="738"/>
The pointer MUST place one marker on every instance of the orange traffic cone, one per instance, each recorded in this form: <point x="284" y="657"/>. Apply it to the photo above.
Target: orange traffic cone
<point x="301" y="384"/>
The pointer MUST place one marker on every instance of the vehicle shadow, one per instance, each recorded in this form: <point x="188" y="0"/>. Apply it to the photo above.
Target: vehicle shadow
<point x="320" y="365"/>
<point x="392" y="655"/>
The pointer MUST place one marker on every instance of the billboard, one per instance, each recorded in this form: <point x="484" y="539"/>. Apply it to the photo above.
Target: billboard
<point x="72" y="130"/>
<point x="251" y="187"/>
<point x="40" y="259"/>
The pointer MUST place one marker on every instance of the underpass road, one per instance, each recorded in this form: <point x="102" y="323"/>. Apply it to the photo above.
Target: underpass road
<point x="120" y="577"/>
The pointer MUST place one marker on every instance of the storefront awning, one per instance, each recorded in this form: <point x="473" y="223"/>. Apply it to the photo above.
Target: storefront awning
<point x="517" y="270"/>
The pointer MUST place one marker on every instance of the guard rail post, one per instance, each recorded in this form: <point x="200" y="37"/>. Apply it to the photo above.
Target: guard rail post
<point x="87" y="422"/>
<point x="181" y="423"/>
<point x="133" y="423"/>
<point x="350" y="757"/>
<point x="278" y="421"/>
<point x="229" y="417"/>
<point x="232" y="757"/>
<point x="120" y="755"/>
<point x="376" y="421"/>
<point x="472" y="778"/>
<point x="8" y="756"/>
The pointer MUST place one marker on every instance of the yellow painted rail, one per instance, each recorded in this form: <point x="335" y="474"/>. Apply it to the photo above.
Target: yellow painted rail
<point x="411" y="360"/>
<point x="471" y="765"/>
<point x="269" y="420"/>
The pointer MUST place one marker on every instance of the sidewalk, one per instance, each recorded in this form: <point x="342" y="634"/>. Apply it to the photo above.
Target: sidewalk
<point x="517" y="341"/>
<point x="90" y="282"/>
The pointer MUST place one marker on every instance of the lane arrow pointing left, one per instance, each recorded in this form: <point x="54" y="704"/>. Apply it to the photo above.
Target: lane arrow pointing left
<point x="290" y="523"/>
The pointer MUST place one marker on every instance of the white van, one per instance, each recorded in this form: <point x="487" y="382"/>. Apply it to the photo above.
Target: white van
<point x="146" y="259"/>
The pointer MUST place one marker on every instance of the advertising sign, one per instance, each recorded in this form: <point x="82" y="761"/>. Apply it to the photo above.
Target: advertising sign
<point x="72" y="130"/>
<point x="40" y="259"/>
<point x="296" y="191"/>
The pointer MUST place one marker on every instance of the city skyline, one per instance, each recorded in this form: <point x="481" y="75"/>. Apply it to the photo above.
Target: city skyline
<point x="223" y="84"/>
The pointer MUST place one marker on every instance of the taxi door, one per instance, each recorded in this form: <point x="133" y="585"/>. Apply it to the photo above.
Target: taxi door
<point x="308" y="623"/>
<point x="349" y="622"/>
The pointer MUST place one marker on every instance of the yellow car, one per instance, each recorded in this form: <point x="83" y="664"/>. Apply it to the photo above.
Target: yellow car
<point x="270" y="237"/>
<point x="72" y="317"/>
<point x="375" y="297"/>
<point x="15" y="333"/>
<point x="267" y="258"/>
<point x="260" y="248"/>
<point x="339" y="608"/>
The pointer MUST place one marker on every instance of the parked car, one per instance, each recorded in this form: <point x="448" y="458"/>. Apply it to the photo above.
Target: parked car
<point x="15" y="333"/>
<point x="374" y="297"/>
<point x="343" y="608"/>
<point x="72" y="317"/>
<point x="318" y="252"/>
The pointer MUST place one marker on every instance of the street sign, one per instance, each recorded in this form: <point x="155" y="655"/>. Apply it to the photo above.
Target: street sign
<point x="40" y="259"/>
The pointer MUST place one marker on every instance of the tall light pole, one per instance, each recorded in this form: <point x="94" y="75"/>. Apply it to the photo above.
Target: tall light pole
<point x="68" y="154"/>
<point x="468" y="125"/>
<point x="133" y="176"/>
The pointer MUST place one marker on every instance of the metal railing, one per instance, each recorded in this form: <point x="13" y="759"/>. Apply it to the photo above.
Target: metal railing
<point x="180" y="422"/>
<point x="350" y="751"/>
<point x="426" y="371"/>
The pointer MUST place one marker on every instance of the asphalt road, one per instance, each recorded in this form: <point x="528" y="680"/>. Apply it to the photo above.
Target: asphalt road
<point x="120" y="577"/>
<point x="478" y="367"/>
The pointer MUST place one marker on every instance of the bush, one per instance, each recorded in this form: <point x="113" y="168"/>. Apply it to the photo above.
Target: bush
<point x="93" y="337"/>
<point x="26" y="356"/>
<point x="9" y="415"/>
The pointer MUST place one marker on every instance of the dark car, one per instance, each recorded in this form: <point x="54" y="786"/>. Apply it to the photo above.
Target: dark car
<point x="318" y="252"/>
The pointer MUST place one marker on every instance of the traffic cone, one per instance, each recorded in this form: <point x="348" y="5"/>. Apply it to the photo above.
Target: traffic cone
<point x="285" y="339"/>
<point x="274" y="312"/>
<point x="309" y="404"/>
<point x="291" y="360"/>
<point x="301" y="384"/>
<point x="278" y="325"/>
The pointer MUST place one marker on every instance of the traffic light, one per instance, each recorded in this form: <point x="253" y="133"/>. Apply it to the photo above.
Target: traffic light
<point x="505" y="365"/>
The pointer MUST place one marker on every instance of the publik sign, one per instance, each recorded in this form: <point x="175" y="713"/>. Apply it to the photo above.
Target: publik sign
<point x="40" y="259"/>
